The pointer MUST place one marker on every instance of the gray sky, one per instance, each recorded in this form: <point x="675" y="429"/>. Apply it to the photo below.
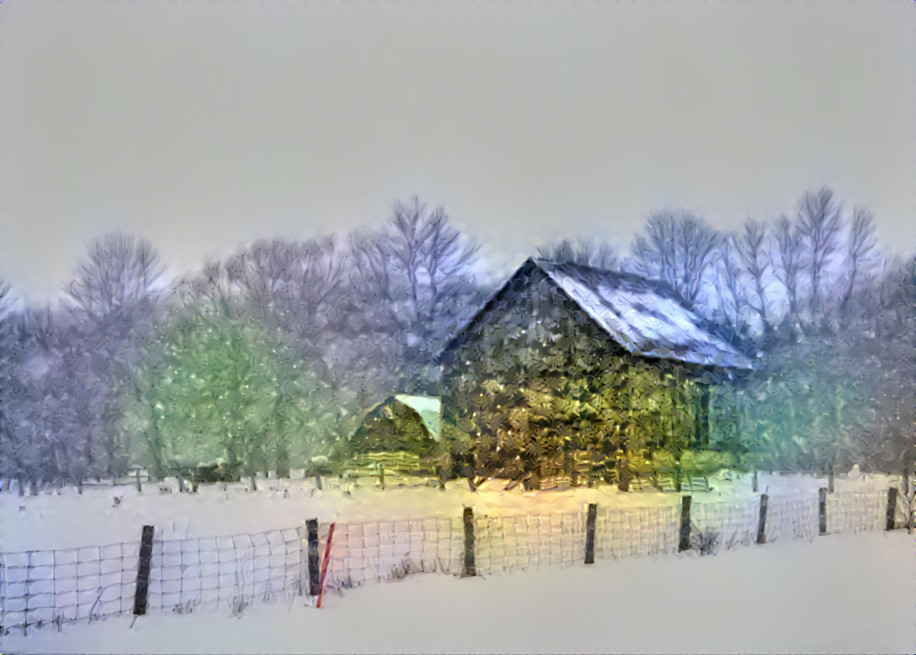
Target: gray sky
<point x="203" y="125"/>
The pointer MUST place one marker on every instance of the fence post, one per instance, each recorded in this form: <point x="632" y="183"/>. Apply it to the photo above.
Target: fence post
<point x="324" y="565"/>
<point x="470" y="568"/>
<point x="891" y="508"/>
<point x="762" y="522"/>
<point x="146" y="558"/>
<point x="684" y="543"/>
<point x="311" y="527"/>
<point x="822" y="510"/>
<point x="590" y="533"/>
<point x="908" y="497"/>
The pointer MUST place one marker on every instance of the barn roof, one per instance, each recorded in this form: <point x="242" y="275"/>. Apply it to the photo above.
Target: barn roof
<point x="643" y="316"/>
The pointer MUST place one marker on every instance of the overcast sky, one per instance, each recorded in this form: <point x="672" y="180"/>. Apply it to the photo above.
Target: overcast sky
<point x="204" y="125"/>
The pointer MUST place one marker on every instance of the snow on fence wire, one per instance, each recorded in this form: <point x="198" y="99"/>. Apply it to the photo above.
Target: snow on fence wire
<point x="792" y="516"/>
<point x="625" y="532"/>
<point x="381" y="550"/>
<point x="61" y="586"/>
<point x="38" y="588"/>
<point x="230" y="571"/>
<point x="735" y="522"/>
<point x="505" y="543"/>
<point x="857" y="511"/>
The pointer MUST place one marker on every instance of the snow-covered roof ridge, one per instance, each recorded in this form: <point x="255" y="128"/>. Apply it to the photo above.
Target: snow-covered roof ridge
<point x="644" y="316"/>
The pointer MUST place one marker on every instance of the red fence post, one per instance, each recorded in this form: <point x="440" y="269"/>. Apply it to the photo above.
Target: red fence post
<point x="324" y="564"/>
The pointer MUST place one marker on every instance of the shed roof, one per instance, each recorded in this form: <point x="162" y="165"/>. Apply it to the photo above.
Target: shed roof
<point x="429" y="409"/>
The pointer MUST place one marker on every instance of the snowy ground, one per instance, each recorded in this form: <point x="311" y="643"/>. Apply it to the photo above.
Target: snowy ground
<point x="845" y="593"/>
<point x="841" y="593"/>
<point x="64" y="519"/>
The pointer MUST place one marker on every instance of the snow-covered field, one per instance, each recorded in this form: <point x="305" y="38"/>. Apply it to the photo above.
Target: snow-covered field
<point x="845" y="593"/>
<point x="104" y="515"/>
<point x="839" y="593"/>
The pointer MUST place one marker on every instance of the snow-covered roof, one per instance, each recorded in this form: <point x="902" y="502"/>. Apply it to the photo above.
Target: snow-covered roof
<point x="641" y="315"/>
<point x="429" y="409"/>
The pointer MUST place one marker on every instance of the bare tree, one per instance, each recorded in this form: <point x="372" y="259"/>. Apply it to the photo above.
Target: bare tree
<point x="585" y="253"/>
<point x="786" y="268"/>
<point x="50" y="416"/>
<point x="119" y="272"/>
<point x="102" y="339"/>
<point x="732" y="298"/>
<point x="8" y="380"/>
<point x="862" y="260"/>
<point x="294" y="285"/>
<point x="819" y="225"/>
<point x="415" y="281"/>
<point x="744" y="280"/>
<point x="678" y="248"/>
<point x="753" y="250"/>
<point x="835" y="358"/>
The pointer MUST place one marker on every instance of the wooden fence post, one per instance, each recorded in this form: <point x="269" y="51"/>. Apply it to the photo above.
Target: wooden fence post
<point x="590" y="533"/>
<point x="146" y="558"/>
<point x="822" y="510"/>
<point x="684" y="543"/>
<point x="762" y="521"/>
<point x="470" y="568"/>
<point x="311" y="527"/>
<point x="908" y="497"/>
<point x="891" y="508"/>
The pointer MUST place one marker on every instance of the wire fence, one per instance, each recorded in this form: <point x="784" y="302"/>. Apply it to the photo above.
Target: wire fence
<point x="44" y="588"/>
<point x="234" y="571"/>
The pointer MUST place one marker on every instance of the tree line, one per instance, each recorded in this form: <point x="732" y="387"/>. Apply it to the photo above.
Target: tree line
<point x="269" y="358"/>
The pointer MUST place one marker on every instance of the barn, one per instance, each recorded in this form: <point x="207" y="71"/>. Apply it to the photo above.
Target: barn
<point x="569" y="370"/>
